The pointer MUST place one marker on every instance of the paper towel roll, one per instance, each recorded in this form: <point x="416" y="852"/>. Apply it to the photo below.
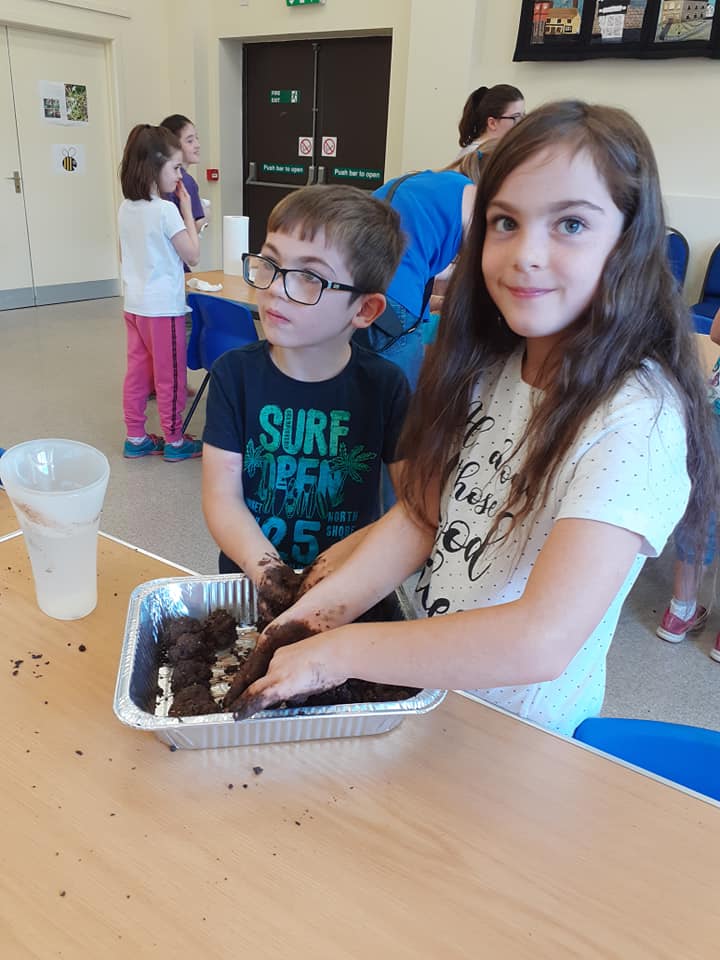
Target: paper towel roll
<point x="235" y="244"/>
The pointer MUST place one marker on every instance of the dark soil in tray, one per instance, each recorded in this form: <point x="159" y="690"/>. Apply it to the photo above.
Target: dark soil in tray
<point x="205" y="657"/>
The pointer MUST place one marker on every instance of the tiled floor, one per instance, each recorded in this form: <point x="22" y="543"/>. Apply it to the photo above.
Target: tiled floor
<point x="61" y="375"/>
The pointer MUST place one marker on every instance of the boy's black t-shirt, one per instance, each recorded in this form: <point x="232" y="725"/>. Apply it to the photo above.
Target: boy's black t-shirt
<point x="312" y="452"/>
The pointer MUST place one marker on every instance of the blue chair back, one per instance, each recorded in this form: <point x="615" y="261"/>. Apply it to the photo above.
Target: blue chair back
<point x="689" y="756"/>
<point x="678" y="251"/>
<point x="705" y="309"/>
<point x="217" y="326"/>
<point x="711" y="285"/>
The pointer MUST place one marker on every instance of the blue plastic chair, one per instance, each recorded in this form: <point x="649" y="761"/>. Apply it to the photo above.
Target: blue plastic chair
<point x="686" y="755"/>
<point x="709" y="302"/>
<point x="218" y="325"/>
<point x="678" y="251"/>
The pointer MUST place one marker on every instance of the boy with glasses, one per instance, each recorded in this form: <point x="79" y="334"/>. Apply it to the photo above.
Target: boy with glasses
<point x="299" y="425"/>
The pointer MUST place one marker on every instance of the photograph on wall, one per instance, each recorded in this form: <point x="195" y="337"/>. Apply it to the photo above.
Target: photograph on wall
<point x="684" y="20"/>
<point x="76" y="102"/>
<point x="588" y="29"/>
<point x="65" y="104"/>
<point x="51" y="108"/>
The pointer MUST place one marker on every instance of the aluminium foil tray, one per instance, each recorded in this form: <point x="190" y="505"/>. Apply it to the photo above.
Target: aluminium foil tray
<point x="136" y="691"/>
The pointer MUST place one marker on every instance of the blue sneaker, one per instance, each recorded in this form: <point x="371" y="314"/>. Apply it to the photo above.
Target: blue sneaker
<point x="189" y="449"/>
<point x="2" y="451"/>
<point x="151" y="446"/>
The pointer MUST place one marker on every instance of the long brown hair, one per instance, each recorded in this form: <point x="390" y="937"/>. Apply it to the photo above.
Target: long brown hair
<point x="147" y="150"/>
<point x="483" y="103"/>
<point x="636" y="315"/>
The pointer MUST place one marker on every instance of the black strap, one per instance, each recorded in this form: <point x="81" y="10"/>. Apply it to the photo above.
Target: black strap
<point x="427" y="293"/>
<point x="396" y="183"/>
<point x="389" y="323"/>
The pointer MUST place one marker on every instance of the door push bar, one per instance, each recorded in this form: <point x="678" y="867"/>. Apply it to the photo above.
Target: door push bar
<point x="252" y="179"/>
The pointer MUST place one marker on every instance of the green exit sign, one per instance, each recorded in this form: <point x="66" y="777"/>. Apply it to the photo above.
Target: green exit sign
<point x="301" y="3"/>
<point x="284" y="96"/>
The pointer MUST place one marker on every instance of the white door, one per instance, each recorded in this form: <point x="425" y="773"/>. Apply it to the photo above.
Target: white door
<point x="16" y="282"/>
<point x="62" y="105"/>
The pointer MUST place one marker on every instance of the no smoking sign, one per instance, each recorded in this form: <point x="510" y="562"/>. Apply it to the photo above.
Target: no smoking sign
<point x="304" y="146"/>
<point x="329" y="147"/>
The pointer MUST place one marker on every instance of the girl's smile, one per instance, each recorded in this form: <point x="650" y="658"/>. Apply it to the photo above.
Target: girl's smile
<point x="550" y="229"/>
<point x="190" y="144"/>
<point x="526" y="292"/>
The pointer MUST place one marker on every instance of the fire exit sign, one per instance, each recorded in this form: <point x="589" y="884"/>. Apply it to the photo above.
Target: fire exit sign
<point x="301" y="3"/>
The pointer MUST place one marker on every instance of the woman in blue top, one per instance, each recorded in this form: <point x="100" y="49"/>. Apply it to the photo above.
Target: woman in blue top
<point x="435" y="207"/>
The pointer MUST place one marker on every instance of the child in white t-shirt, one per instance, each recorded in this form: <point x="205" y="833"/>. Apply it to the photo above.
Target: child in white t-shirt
<point x="155" y="239"/>
<point x="559" y="428"/>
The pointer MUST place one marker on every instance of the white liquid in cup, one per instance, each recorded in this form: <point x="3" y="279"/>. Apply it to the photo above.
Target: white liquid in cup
<point x="57" y="488"/>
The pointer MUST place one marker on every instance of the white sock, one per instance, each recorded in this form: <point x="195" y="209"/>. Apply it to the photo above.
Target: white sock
<point x="178" y="443"/>
<point x="137" y="440"/>
<point x="685" y="609"/>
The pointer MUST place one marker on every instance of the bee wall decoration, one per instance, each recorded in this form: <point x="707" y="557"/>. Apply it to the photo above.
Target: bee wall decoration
<point x="68" y="159"/>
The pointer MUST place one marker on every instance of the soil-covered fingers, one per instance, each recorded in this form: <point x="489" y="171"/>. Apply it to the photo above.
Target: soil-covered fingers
<point x="282" y="683"/>
<point x="256" y="665"/>
<point x="313" y="574"/>
<point x="248" y="706"/>
<point x="294" y="673"/>
<point x="277" y="590"/>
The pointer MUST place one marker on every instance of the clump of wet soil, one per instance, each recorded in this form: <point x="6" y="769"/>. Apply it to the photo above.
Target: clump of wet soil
<point x="210" y="663"/>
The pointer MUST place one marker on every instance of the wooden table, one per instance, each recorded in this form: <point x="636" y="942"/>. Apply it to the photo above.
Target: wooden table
<point x="461" y="834"/>
<point x="8" y="520"/>
<point x="234" y="288"/>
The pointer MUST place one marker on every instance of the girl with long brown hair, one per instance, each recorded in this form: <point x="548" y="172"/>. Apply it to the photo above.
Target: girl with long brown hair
<point x="558" y="434"/>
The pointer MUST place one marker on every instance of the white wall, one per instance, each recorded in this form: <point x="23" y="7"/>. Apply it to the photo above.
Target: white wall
<point x="137" y="31"/>
<point x="165" y="58"/>
<point x="673" y="100"/>
<point x="440" y="53"/>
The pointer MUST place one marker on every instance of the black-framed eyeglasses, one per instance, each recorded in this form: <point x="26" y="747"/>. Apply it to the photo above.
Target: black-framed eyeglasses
<point x="515" y="117"/>
<point x="302" y="286"/>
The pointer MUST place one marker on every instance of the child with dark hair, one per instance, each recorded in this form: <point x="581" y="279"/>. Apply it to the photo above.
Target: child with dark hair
<point x="489" y="113"/>
<point x="559" y="430"/>
<point x="186" y="133"/>
<point x="299" y="425"/>
<point x="155" y="238"/>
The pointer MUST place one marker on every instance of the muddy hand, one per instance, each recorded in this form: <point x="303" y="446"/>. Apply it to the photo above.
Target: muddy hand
<point x="296" y="671"/>
<point x="249" y="706"/>
<point x="313" y="574"/>
<point x="277" y="590"/>
<point x="258" y="662"/>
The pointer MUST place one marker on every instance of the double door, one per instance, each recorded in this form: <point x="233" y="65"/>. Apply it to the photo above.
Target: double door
<point x="57" y="170"/>
<point x="315" y="112"/>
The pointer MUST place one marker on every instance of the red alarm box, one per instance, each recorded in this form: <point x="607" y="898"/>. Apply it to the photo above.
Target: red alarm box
<point x="212" y="174"/>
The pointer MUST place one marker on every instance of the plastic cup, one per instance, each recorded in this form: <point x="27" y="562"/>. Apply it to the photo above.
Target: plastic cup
<point x="57" y="488"/>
